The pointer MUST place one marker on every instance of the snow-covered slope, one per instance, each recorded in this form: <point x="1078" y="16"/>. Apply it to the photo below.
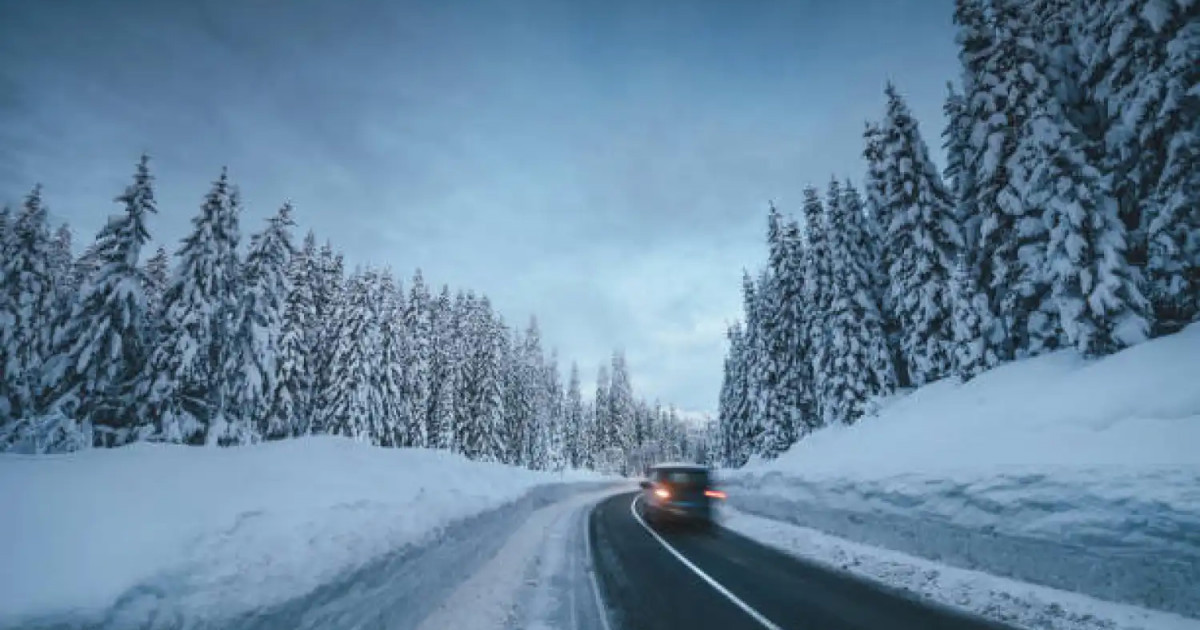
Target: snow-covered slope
<point x="227" y="529"/>
<point x="1074" y="474"/>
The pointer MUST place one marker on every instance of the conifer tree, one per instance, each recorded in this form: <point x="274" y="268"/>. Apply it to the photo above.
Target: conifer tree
<point x="103" y="345"/>
<point x="28" y="304"/>
<point x="183" y="384"/>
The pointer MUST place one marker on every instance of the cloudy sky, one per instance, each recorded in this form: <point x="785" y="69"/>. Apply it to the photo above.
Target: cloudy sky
<point x="604" y="165"/>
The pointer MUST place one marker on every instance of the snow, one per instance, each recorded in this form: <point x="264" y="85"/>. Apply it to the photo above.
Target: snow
<point x="1013" y="602"/>
<point x="1079" y="475"/>
<point x="223" y="531"/>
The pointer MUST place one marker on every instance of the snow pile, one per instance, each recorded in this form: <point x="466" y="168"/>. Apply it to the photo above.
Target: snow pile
<point x="222" y="531"/>
<point x="1074" y="474"/>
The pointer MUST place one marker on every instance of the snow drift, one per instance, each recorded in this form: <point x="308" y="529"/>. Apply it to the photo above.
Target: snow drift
<point x="1080" y="475"/>
<point x="224" y="530"/>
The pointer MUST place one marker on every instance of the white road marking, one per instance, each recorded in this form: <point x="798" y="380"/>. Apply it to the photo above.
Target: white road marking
<point x="766" y="623"/>
<point x="587" y="542"/>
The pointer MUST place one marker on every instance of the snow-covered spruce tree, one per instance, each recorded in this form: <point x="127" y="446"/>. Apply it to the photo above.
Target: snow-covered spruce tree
<point x="620" y="408"/>
<point x="874" y="206"/>
<point x="182" y="385"/>
<point x="62" y="262"/>
<point x="969" y="351"/>
<point x="990" y="63"/>
<point x="958" y="178"/>
<point x="354" y="399"/>
<point x="28" y="304"/>
<point x="817" y="294"/>
<point x="445" y="369"/>
<point x="482" y="433"/>
<point x="1173" y="232"/>
<point x="156" y="276"/>
<point x="602" y="431"/>
<point x="1140" y="65"/>
<point x="419" y="325"/>
<point x="295" y="379"/>
<point x="328" y="275"/>
<point x="726" y="401"/>
<point x="858" y="364"/>
<point x="1094" y="302"/>
<point x="102" y="347"/>
<point x="7" y="314"/>
<point x="783" y="377"/>
<point x="920" y="240"/>
<point x="555" y="423"/>
<point x="392" y="424"/>
<point x="254" y="362"/>
<point x="577" y="444"/>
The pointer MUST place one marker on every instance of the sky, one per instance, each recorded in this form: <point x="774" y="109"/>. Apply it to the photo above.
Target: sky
<point x="605" y="166"/>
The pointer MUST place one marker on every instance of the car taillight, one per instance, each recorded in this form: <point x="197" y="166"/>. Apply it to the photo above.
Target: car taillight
<point x="662" y="493"/>
<point x="714" y="494"/>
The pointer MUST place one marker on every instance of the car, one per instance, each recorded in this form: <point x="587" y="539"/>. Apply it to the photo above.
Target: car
<point x="680" y="493"/>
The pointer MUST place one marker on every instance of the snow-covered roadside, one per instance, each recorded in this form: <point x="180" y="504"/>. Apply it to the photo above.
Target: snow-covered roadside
<point x="1077" y="475"/>
<point x="1012" y="602"/>
<point x="220" y="532"/>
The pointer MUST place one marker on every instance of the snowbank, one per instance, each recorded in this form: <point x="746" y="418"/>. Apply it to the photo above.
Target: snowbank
<point x="225" y="529"/>
<point x="1073" y="474"/>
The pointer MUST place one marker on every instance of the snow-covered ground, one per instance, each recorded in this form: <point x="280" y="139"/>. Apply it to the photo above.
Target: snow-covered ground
<point x="206" y="532"/>
<point x="1016" y="603"/>
<point x="1078" y="475"/>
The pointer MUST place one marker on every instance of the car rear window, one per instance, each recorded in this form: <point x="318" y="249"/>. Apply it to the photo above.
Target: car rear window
<point x="684" y="477"/>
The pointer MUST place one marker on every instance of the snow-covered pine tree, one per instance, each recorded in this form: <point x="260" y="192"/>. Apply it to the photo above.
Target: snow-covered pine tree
<point x="487" y="405"/>
<point x="577" y="444"/>
<point x="860" y="363"/>
<point x="874" y="206"/>
<point x="182" y="386"/>
<point x="817" y="294"/>
<point x="555" y="423"/>
<point x="1140" y="65"/>
<point x="417" y="386"/>
<point x="354" y="399"/>
<point x="920" y="240"/>
<point x="328" y="275"/>
<point x="958" y="178"/>
<point x="620" y="409"/>
<point x="989" y="59"/>
<point x="392" y="424"/>
<point x="28" y="316"/>
<point x="1093" y="300"/>
<point x="156" y="276"/>
<point x="295" y="379"/>
<point x="727" y="399"/>
<point x="782" y="379"/>
<point x="604" y="434"/>
<point x="445" y="368"/>
<point x="970" y="350"/>
<point x="7" y="312"/>
<point x="255" y="360"/>
<point x="62" y="262"/>
<point x="103" y="345"/>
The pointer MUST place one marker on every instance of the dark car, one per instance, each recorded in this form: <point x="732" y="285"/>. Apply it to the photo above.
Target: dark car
<point x="680" y="493"/>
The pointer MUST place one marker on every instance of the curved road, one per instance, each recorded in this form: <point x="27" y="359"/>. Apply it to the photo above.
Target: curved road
<point x="725" y="581"/>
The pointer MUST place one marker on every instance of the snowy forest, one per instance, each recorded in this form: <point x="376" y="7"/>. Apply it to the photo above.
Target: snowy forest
<point x="218" y="348"/>
<point x="1067" y="216"/>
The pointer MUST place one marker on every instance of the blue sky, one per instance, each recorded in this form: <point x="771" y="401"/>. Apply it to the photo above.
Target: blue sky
<point x="603" y="165"/>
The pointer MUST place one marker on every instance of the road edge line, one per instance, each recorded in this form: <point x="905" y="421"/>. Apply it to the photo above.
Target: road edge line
<point x="591" y="559"/>
<point x="746" y="608"/>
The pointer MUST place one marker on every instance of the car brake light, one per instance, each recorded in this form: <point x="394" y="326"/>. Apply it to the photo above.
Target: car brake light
<point x="662" y="493"/>
<point x="714" y="494"/>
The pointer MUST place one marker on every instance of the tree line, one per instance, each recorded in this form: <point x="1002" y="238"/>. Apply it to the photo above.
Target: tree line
<point x="222" y="348"/>
<point x="1068" y="216"/>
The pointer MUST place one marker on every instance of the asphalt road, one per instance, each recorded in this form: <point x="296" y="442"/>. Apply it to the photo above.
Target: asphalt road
<point x="644" y="585"/>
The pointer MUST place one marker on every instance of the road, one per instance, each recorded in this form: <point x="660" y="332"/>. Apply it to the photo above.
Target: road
<point x="744" y="584"/>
